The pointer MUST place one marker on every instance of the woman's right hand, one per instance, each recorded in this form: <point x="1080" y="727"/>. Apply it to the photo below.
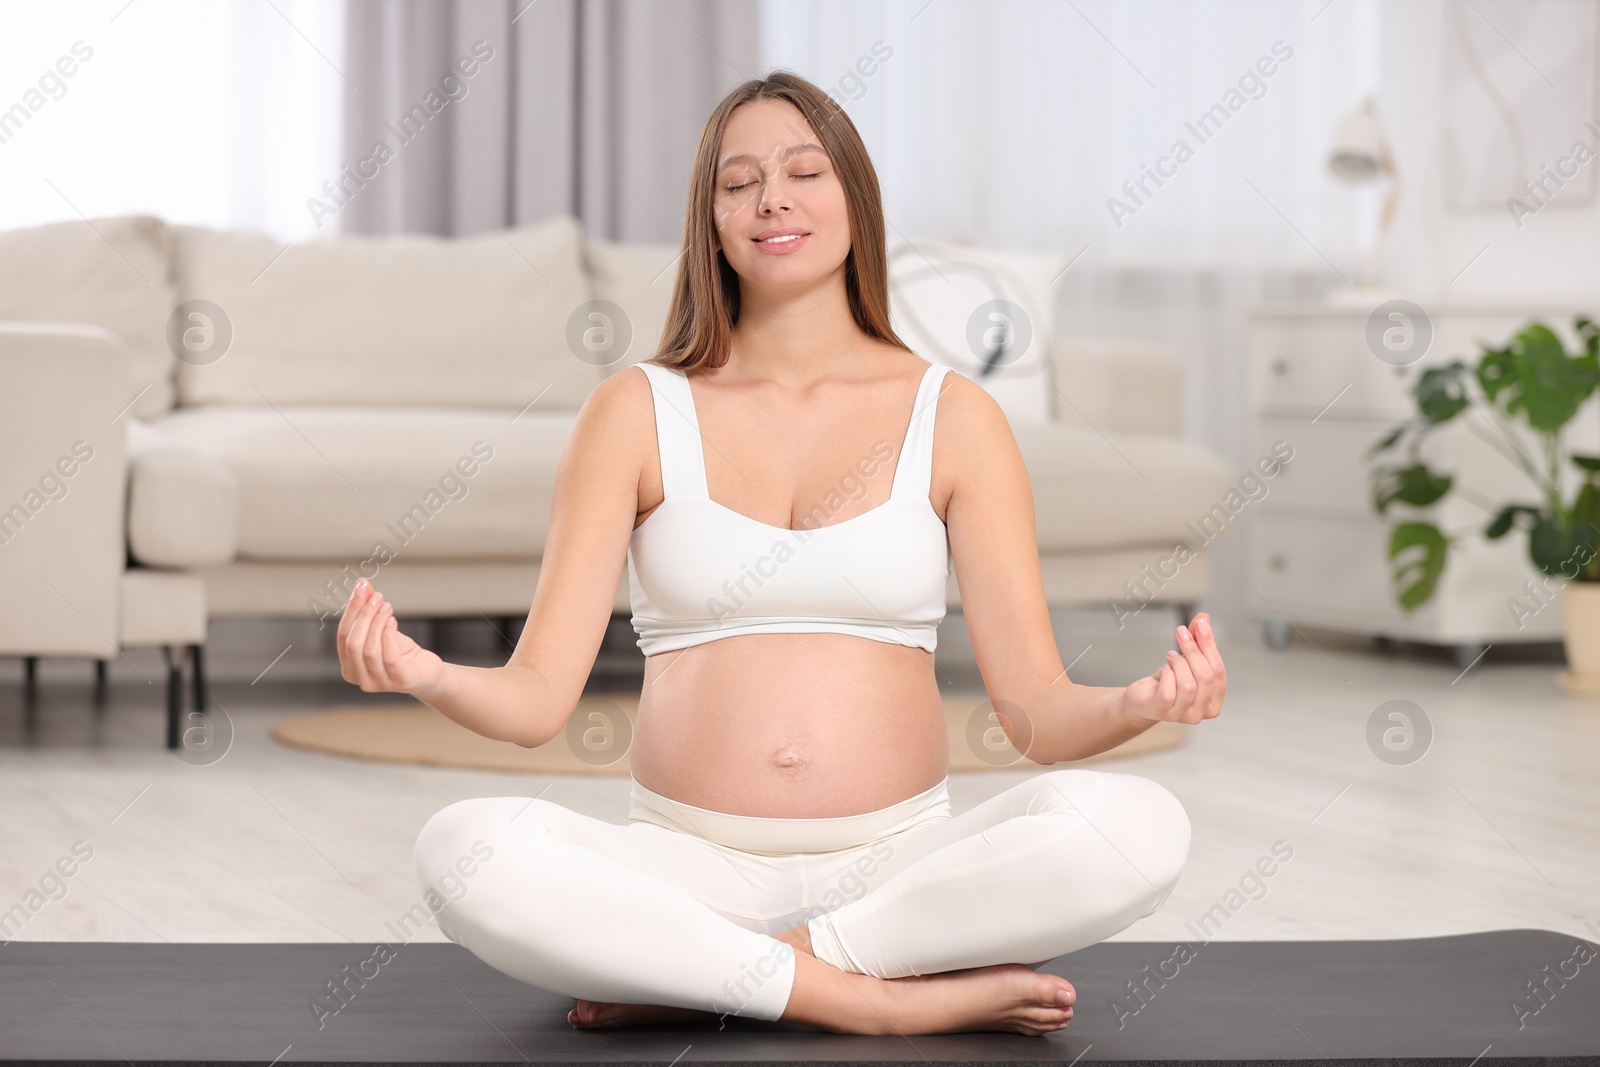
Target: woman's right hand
<point x="375" y="655"/>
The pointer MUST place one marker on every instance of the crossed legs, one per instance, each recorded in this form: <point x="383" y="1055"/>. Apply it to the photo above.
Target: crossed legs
<point x="1056" y="863"/>
<point x="640" y="914"/>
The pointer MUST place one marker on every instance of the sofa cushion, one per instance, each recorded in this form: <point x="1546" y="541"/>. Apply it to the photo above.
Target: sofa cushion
<point x="161" y="608"/>
<point x="110" y="272"/>
<point x="1118" y="386"/>
<point x="638" y="277"/>
<point x="349" y="483"/>
<point x="183" y="501"/>
<point x="470" y="322"/>
<point x="942" y="304"/>
<point x="1095" y="491"/>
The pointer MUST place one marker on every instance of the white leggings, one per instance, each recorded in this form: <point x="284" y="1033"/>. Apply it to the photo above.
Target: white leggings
<point x="677" y="906"/>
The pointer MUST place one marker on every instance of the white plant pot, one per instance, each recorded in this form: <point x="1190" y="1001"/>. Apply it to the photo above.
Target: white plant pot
<point x="1580" y="611"/>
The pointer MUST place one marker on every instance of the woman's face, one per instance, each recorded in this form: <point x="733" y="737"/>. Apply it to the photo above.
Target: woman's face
<point x="774" y="178"/>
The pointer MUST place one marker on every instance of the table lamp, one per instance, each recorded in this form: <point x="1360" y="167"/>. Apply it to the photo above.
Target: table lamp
<point x="1361" y="155"/>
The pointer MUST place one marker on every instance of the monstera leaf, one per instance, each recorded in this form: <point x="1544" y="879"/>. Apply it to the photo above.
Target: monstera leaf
<point x="1441" y="392"/>
<point x="1561" y="550"/>
<point x="1507" y="517"/>
<point x="1425" y="549"/>
<point x="1415" y="485"/>
<point x="1538" y="379"/>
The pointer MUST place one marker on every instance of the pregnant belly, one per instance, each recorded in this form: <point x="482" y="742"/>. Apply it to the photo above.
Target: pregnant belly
<point x="790" y="725"/>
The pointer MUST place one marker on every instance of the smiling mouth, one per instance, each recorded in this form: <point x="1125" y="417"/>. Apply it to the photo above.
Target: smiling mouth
<point x="785" y="239"/>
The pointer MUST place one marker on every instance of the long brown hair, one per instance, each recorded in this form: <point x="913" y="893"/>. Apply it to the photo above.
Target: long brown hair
<point x="705" y="298"/>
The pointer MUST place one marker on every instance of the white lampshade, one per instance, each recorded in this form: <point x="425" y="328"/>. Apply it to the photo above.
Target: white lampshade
<point x="1361" y="155"/>
<point x="1358" y="150"/>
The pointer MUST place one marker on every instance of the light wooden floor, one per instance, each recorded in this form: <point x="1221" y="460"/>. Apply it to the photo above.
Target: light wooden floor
<point x="1497" y="826"/>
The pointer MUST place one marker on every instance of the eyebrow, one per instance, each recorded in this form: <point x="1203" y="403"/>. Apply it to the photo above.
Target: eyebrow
<point x="786" y="153"/>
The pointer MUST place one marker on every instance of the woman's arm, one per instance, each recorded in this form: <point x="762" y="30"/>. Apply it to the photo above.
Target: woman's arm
<point x="995" y="549"/>
<point x="1073" y="722"/>
<point x="593" y="507"/>
<point x="510" y="703"/>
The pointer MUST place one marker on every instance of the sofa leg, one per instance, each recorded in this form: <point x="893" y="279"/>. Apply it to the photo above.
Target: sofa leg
<point x="504" y="625"/>
<point x="99" y="687"/>
<point x="198" y="653"/>
<point x="30" y="693"/>
<point x="1185" y="609"/>
<point x="175" y="655"/>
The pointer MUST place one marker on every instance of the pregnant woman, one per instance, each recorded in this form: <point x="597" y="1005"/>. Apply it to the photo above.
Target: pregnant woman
<point x="789" y="487"/>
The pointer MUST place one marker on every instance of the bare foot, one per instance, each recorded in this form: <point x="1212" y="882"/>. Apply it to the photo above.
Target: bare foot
<point x="1009" y="997"/>
<point x="597" y="1015"/>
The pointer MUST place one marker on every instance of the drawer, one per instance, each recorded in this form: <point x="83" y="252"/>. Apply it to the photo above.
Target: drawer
<point x="1301" y="365"/>
<point x="1333" y="564"/>
<point x="1304" y="367"/>
<point x="1329" y="470"/>
<point x="1334" y="572"/>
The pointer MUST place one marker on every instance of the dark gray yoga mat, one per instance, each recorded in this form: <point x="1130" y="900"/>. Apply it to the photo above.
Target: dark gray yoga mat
<point x="1446" y="1000"/>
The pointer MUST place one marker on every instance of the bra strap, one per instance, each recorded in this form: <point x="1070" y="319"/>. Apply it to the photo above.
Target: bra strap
<point x="683" y="471"/>
<point x="913" y="474"/>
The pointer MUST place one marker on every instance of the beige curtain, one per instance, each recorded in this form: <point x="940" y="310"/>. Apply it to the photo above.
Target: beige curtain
<point x="587" y="107"/>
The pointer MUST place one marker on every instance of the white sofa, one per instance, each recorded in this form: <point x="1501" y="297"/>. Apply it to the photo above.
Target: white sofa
<point x="396" y="407"/>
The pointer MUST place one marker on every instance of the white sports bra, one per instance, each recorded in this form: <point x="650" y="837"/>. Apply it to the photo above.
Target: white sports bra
<point x="699" y="571"/>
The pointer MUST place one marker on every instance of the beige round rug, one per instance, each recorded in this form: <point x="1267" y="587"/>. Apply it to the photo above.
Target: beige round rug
<point x="598" y="736"/>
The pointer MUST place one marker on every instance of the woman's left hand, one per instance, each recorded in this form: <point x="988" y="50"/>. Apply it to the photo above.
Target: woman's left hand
<point x="1189" y="686"/>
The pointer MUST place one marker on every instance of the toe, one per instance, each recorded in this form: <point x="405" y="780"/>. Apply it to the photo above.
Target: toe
<point x="1056" y="991"/>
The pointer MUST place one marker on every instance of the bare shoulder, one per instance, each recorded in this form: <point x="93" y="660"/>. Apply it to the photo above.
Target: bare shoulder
<point x="626" y="387"/>
<point x="615" y="429"/>
<point x="966" y="412"/>
<point x="622" y="405"/>
<point x="972" y="440"/>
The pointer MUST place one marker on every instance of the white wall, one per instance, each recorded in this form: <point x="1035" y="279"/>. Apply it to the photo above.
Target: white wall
<point x="1553" y="257"/>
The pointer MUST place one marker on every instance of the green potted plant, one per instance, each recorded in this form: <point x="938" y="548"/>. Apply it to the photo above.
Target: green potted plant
<point x="1535" y="382"/>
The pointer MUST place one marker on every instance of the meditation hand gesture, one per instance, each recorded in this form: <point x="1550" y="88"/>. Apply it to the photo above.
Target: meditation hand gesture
<point x="375" y="655"/>
<point x="1189" y="686"/>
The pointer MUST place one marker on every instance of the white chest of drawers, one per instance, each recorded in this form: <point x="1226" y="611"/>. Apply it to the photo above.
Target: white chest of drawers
<point x="1317" y="550"/>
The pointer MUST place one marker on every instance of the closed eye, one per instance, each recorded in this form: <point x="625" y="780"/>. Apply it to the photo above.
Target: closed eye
<point x="736" y="188"/>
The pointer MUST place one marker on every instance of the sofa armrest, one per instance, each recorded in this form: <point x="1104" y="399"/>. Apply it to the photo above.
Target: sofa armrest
<point x="183" y="503"/>
<point x="63" y="463"/>
<point x="1118" y="386"/>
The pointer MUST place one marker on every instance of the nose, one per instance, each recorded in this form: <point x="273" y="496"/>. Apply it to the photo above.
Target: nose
<point x="774" y="197"/>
